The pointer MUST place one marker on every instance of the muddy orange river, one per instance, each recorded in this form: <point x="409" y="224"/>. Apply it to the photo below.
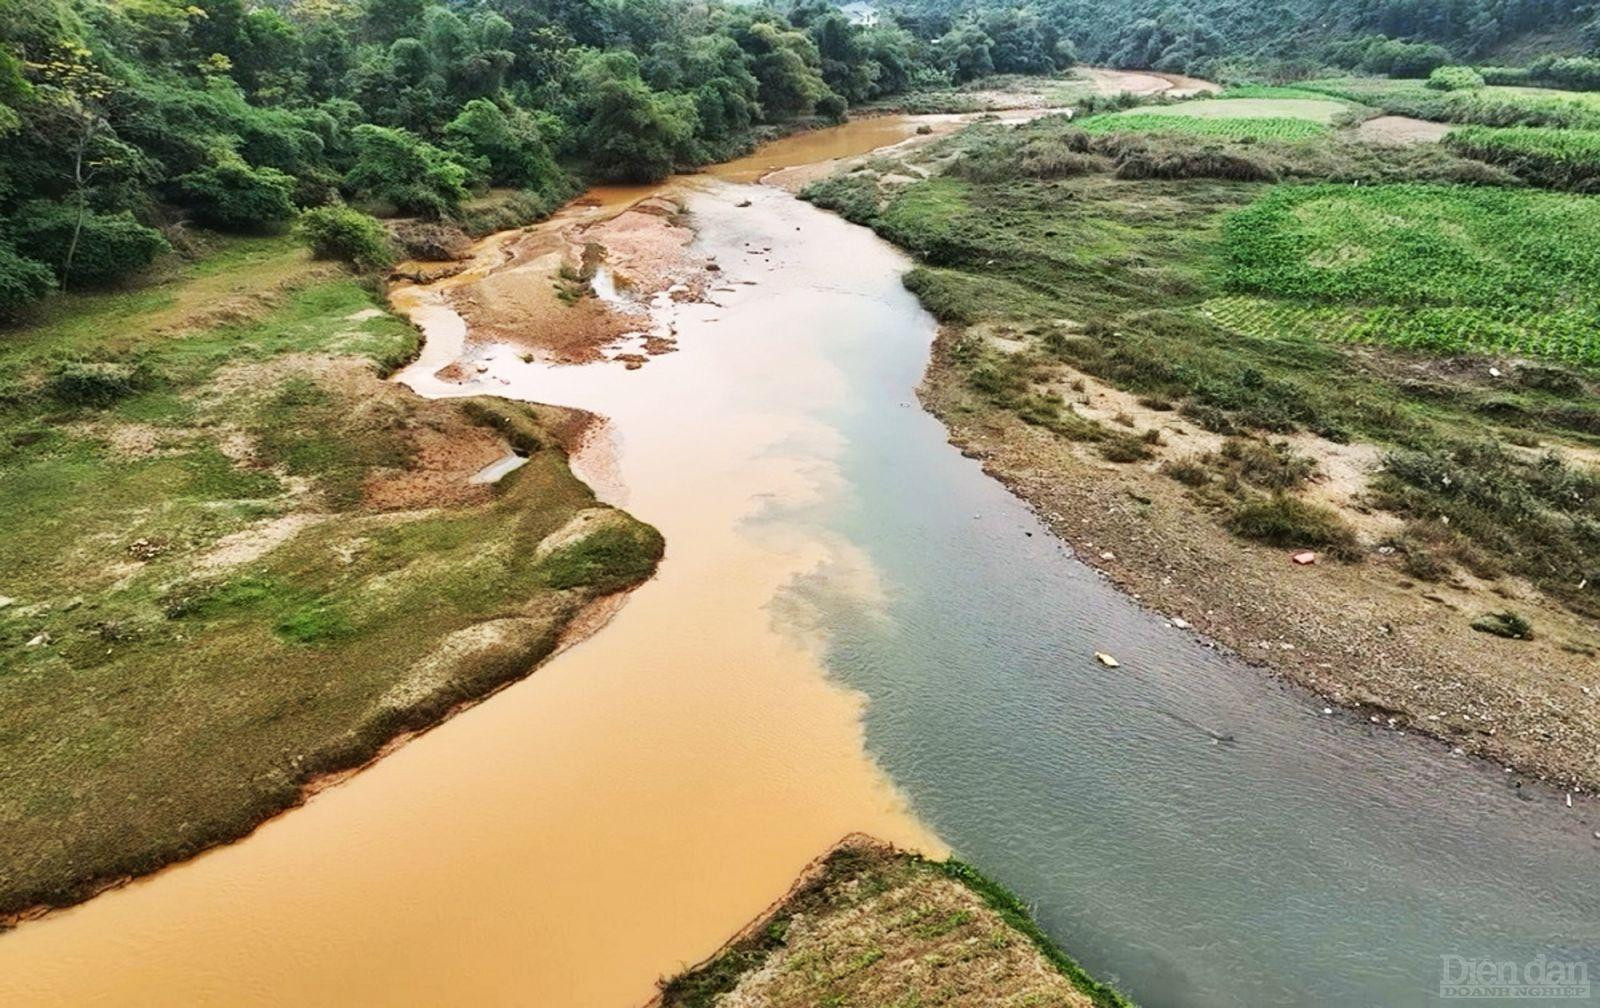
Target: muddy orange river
<point x="852" y="622"/>
<point x="614" y="816"/>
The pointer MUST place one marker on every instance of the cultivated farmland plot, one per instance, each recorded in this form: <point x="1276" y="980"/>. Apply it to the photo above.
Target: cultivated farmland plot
<point x="1230" y="127"/>
<point x="1442" y="268"/>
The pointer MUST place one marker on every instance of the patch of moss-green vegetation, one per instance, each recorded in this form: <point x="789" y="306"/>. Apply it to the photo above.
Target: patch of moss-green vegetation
<point x="1234" y="128"/>
<point x="1555" y="158"/>
<point x="606" y="560"/>
<point x="202" y="607"/>
<point x="1484" y="106"/>
<point x="1418" y="245"/>
<point x="1349" y="311"/>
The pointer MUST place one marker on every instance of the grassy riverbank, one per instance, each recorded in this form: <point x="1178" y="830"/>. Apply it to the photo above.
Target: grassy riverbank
<point x="237" y="559"/>
<point x="1194" y="360"/>
<point x="869" y="925"/>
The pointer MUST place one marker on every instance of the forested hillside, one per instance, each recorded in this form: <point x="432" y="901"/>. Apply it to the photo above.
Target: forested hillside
<point x="1289" y="38"/>
<point x="123" y="123"/>
<point x="122" y="120"/>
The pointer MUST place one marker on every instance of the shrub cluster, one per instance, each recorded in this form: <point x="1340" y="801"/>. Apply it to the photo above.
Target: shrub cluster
<point x="1291" y="523"/>
<point x="95" y="383"/>
<point x="83" y="246"/>
<point x="237" y="197"/>
<point x="22" y="281"/>
<point x="1455" y="78"/>
<point x="338" y="232"/>
<point x="1539" y="517"/>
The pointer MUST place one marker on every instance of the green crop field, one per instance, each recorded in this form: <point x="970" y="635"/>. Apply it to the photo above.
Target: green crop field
<point x="1564" y="335"/>
<point x="1537" y="94"/>
<point x="1253" y="128"/>
<point x="1244" y="91"/>
<point x="1311" y="108"/>
<point x="1447" y="268"/>
<point x="1560" y="158"/>
<point x="1486" y="106"/>
<point x="1418" y="245"/>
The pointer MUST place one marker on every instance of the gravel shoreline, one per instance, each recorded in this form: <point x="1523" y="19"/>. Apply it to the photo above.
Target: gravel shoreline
<point x="1399" y="654"/>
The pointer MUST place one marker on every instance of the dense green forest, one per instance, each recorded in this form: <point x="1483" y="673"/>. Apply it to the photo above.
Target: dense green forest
<point x="1288" y="39"/>
<point x="123" y="122"/>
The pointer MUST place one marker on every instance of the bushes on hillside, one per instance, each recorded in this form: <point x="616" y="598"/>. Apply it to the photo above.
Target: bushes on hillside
<point x="236" y="197"/>
<point x="630" y="133"/>
<point x="22" y="281"/>
<point x="83" y="247"/>
<point x="1455" y="78"/>
<point x="399" y="168"/>
<point x="1393" y="57"/>
<point x="1505" y="76"/>
<point x="1579" y="73"/>
<point x="506" y="149"/>
<point x="338" y="232"/>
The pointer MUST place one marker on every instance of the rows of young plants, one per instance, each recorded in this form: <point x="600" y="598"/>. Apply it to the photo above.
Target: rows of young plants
<point x="1232" y="128"/>
<point x="1269" y="91"/>
<point x="1486" y="106"/>
<point x="1417" y="245"/>
<point x="1567" y="335"/>
<point x="1556" y="158"/>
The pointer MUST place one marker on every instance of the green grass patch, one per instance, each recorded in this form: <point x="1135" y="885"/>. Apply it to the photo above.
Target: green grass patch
<point x="605" y="560"/>
<point x="824" y="971"/>
<point x="1418" y="245"/>
<point x="1555" y="158"/>
<point x="177" y="693"/>
<point x="1486" y="106"/>
<point x="1229" y="127"/>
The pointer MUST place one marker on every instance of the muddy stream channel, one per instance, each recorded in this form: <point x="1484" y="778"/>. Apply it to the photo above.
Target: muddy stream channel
<point x="854" y="629"/>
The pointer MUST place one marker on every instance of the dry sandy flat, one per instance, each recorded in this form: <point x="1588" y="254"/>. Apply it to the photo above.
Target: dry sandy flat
<point x="1402" y="130"/>
<point x="1108" y="81"/>
<point x="533" y="289"/>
